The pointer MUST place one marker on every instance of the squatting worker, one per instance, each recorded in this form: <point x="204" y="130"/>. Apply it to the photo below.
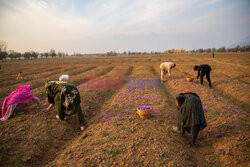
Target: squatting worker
<point x="66" y="98"/>
<point x="203" y="69"/>
<point x="191" y="116"/>
<point x="17" y="100"/>
<point x="20" y="75"/>
<point x="166" y="68"/>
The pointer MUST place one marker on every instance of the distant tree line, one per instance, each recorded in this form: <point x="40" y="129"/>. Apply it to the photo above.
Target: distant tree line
<point x="111" y="53"/>
<point x="175" y="51"/>
<point x="12" y="55"/>
<point x="4" y="54"/>
<point x="223" y="49"/>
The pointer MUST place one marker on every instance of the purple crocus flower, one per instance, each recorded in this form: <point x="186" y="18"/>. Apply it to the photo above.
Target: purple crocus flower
<point x="227" y="152"/>
<point x="1" y="133"/>
<point x="218" y="136"/>
<point x="205" y="109"/>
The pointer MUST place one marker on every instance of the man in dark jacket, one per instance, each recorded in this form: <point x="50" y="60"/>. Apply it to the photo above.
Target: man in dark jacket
<point x="203" y="69"/>
<point x="191" y="116"/>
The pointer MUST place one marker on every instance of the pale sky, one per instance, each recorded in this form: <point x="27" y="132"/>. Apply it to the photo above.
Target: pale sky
<point x="94" y="26"/>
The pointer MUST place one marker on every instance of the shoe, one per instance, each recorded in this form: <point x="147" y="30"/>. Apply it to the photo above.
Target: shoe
<point x="57" y="116"/>
<point x="175" y="128"/>
<point x="82" y="127"/>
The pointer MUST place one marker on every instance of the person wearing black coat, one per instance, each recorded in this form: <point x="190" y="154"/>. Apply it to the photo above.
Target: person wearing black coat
<point x="203" y="69"/>
<point x="191" y="116"/>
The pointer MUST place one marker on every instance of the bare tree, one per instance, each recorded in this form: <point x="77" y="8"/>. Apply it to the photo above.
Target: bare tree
<point x="3" y="46"/>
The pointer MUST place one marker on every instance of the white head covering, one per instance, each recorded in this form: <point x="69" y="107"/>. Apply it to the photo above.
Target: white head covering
<point x="63" y="77"/>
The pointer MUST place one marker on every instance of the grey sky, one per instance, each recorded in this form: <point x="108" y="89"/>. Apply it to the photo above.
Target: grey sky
<point x="91" y="26"/>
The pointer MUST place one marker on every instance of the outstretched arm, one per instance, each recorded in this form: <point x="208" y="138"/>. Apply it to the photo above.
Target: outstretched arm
<point x="49" y="107"/>
<point x="36" y="100"/>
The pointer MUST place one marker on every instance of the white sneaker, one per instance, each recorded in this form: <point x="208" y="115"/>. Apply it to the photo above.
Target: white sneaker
<point x="82" y="127"/>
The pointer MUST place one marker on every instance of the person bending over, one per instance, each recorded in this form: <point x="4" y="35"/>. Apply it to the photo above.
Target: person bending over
<point x="166" y="68"/>
<point x="17" y="100"/>
<point x="203" y="69"/>
<point x="190" y="116"/>
<point x="66" y="98"/>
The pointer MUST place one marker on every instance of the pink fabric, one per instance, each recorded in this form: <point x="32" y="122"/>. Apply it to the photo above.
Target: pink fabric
<point x="21" y="95"/>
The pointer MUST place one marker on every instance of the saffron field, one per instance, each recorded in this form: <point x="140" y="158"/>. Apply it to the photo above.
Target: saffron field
<point x="111" y="90"/>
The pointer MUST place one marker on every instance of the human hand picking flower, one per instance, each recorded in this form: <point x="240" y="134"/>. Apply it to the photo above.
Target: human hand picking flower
<point x="48" y="108"/>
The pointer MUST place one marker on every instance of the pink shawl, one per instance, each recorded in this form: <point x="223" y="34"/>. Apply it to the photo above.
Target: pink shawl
<point x="21" y="95"/>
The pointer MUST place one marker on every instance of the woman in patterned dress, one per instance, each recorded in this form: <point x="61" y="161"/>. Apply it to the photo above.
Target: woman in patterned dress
<point x="66" y="98"/>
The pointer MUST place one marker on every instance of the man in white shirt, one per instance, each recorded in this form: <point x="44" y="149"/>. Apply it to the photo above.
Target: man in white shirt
<point x="166" y="68"/>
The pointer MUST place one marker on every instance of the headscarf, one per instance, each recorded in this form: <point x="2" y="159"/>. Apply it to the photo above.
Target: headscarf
<point x="181" y="98"/>
<point x="21" y="95"/>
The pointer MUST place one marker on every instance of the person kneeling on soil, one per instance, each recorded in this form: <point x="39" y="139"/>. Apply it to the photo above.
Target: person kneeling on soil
<point x="66" y="98"/>
<point x="191" y="116"/>
<point x="16" y="101"/>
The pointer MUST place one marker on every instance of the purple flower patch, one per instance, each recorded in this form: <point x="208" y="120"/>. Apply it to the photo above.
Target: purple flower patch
<point x="144" y="108"/>
<point x="218" y="136"/>
<point x="220" y="149"/>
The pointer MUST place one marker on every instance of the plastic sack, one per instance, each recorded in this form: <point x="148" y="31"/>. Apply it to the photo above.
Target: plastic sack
<point x="63" y="77"/>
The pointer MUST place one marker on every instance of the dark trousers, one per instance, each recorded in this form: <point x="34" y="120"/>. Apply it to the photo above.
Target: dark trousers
<point x="207" y="73"/>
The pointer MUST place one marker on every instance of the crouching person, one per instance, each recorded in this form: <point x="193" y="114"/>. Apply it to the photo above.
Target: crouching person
<point x="66" y="98"/>
<point x="17" y="100"/>
<point x="191" y="116"/>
